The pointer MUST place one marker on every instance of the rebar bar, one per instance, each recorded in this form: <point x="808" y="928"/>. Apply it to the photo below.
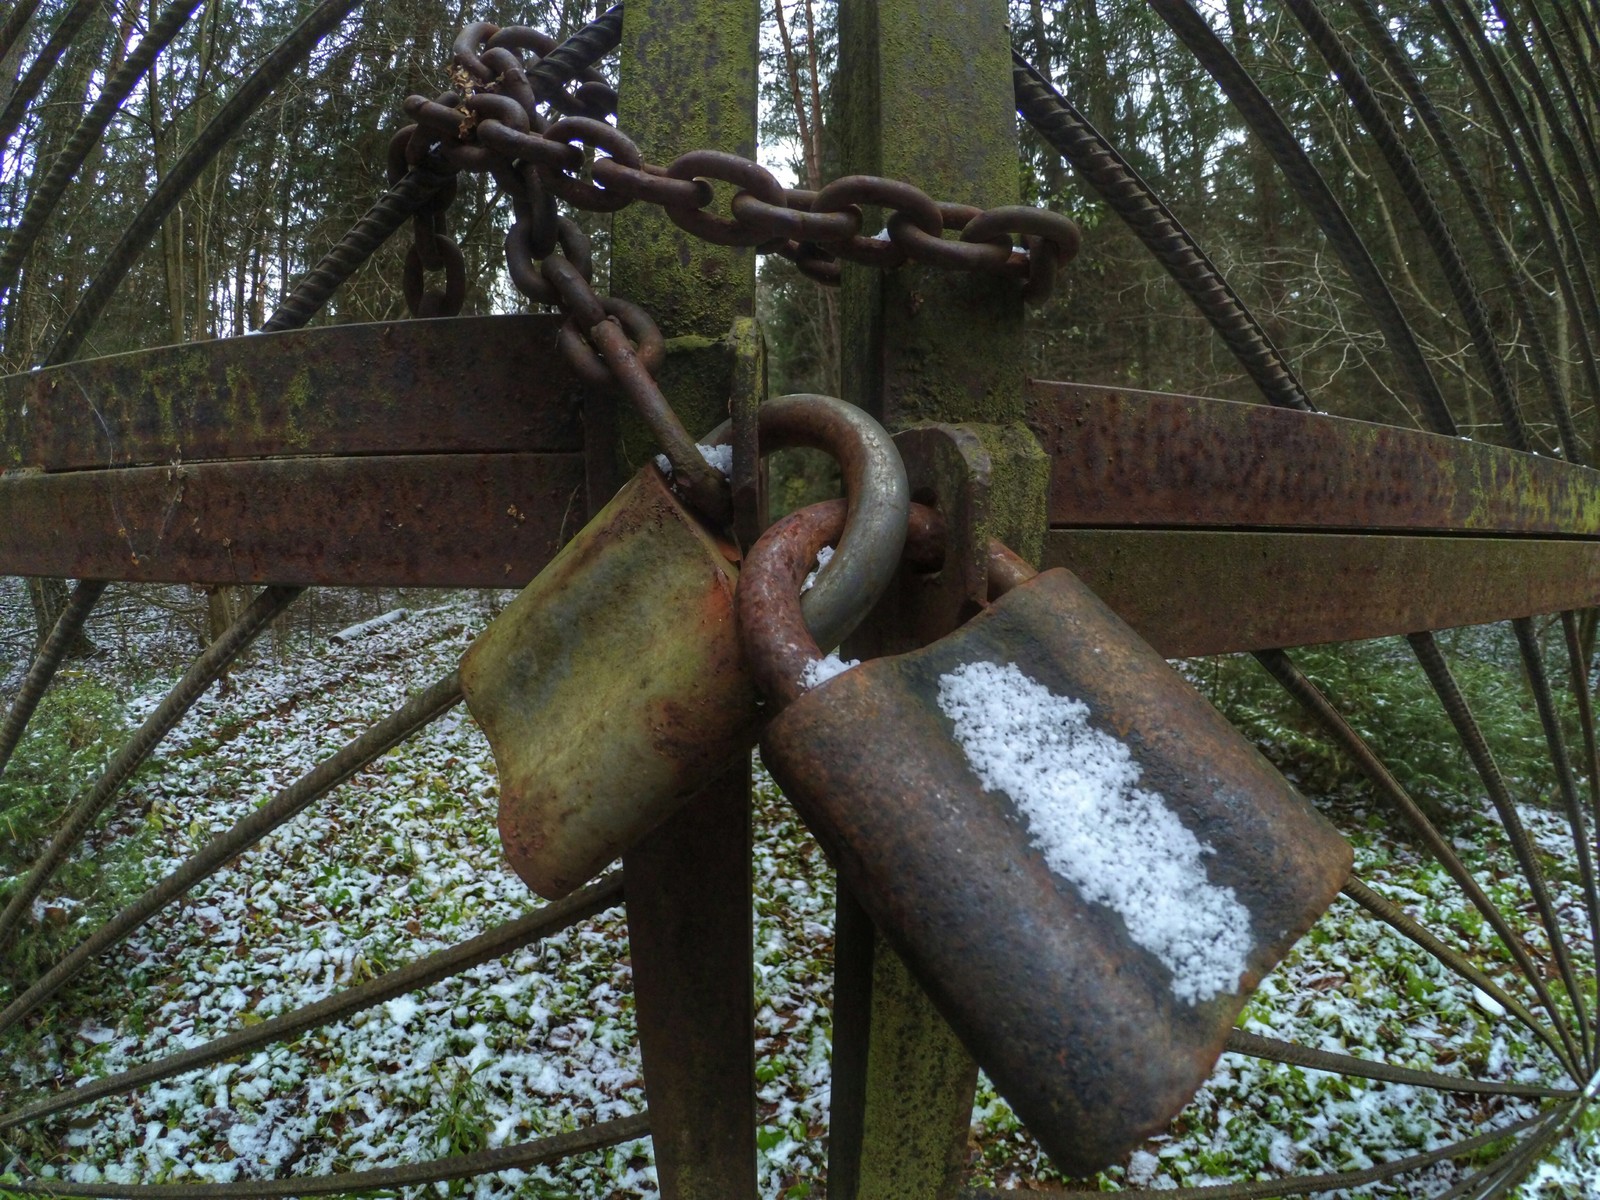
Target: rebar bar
<point x="45" y="664"/>
<point x="420" y="711"/>
<point x="205" y="670"/>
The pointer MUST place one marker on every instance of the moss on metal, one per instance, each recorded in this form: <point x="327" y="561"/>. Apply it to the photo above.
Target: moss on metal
<point x="949" y="123"/>
<point x="1019" y="487"/>
<point x="926" y="97"/>
<point x="920" y="1082"/>
<point x="691" y="84"/>
<point x="695" y="378"/>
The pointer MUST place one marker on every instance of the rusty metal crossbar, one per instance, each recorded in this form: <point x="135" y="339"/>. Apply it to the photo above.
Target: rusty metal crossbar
<point x="1448" y="493"/>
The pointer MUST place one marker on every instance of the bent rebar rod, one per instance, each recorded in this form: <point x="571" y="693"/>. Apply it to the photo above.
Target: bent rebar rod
<point x="285" y="57"/>
<point x="382" y="1179"/>
<point x="67" y="627"/>
<point x="1426" y="648"/>
<point x="65" y="166"/>
<point x="1505" y="264"/>
<point x="420" y="711"/>
<point x="201" y="674"/>
<point x="1325" y="713"/>
<point x="1268" y="125"/>
<point x="1070" y="134"/>
<point x="33" y="79"/>
<point x="1430" y="219"/>
<point x="1298" y="1055"/>
<point x="598" y="896"/>
<point x="1304" y="1185"/>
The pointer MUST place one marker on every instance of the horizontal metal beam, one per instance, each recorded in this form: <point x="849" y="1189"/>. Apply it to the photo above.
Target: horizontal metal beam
<point x="1129" y="458"/>
<point x="426" y="520"/>
<point x="476" y="384"/>
<point x="1190" y="592"/>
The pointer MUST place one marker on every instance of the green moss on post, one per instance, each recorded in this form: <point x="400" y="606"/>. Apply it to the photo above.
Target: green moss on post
<point x="689" y="82"/>
<point x="924" y="94"/>
<point x="1019" y="488"/>
<point x="689" y="72"/>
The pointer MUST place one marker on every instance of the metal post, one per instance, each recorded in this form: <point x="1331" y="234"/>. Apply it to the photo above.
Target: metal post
<point x="689" y="82"/>
<point x="924" y="94"/>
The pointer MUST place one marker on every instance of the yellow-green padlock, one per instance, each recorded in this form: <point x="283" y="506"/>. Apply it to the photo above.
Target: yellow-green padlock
<point x="613" y="687"/>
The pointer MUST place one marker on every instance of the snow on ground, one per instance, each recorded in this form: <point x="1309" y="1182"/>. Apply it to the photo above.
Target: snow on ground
<point x="404" y="860"/>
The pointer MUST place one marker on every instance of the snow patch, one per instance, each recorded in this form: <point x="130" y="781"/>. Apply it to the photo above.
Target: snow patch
<point x="720" y="457"/>
<point x="1488" y="1003"/>
<point x="820" y="670"/>
<point x="824" y="557"/>
<point x="350" y="633"/>
<point x="1119" y="845"/>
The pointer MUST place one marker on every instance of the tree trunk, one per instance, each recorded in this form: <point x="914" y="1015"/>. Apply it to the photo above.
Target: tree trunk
<point x="224" y="603"/>
<point x="49" y="597"/>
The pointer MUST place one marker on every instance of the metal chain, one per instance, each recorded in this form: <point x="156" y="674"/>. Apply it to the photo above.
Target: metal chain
<point x="432" y="248"/>
<point x="492" y="125"/>
<point x="492" y="122"/>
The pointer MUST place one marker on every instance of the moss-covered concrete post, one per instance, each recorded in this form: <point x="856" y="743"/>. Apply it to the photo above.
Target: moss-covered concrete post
<point x="688" y="81"/>
<point x="924" y="94"/>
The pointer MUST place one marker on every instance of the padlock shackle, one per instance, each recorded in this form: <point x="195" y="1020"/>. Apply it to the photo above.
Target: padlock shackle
<point x="1007" y="569"/>
<point x="778" y="645"/>
<point x="878" y="496"/>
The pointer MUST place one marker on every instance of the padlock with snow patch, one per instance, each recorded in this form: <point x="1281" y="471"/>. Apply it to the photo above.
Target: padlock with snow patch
<point x="1084" y="864"/>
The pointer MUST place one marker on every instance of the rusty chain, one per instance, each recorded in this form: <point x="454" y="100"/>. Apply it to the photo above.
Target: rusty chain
<point x="432" y="248"/>
<point x="492" y="121"/>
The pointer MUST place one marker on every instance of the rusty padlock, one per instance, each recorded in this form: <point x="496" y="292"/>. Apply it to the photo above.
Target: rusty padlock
<point x="1081" y="861"/>
<point x="613" y="687"/>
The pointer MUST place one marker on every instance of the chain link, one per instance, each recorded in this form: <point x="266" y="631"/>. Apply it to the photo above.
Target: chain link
<point x="432" y="248"/>
<point x="492" y="122"/>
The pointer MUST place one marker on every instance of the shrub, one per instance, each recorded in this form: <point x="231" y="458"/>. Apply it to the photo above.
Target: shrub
<point x="1384" y="695"/>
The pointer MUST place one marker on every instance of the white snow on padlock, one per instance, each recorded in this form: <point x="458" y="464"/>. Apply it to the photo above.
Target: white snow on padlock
<point x="720" y="458"/>
<point x="819" y="670"/>
<point x="1118" y="844"/>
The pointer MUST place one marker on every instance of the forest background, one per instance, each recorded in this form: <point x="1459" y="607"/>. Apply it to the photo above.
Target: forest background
<point x="313" y="158"/>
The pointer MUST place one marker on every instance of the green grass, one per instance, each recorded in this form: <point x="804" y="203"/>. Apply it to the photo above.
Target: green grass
<point x="1406" y="1012"/>
<point x="78" y="727"/>
<point x="1386" y="698"/>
